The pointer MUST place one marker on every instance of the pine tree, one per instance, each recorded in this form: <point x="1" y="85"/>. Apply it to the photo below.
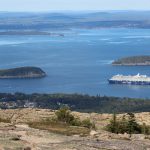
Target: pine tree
<point x="144" y="128"/>
<point x="133" y="126"/>
<point x="113" y="124"/>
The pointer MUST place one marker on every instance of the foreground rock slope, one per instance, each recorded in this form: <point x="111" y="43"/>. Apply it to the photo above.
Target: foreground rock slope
<point x="17" y="135"/>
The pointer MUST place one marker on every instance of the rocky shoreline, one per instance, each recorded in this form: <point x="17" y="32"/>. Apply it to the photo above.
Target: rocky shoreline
<point x="23" y="77"/>
<point x="131" y="64"/>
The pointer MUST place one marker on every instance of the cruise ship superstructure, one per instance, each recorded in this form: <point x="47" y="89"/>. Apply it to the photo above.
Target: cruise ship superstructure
<point x="135" y="80"/>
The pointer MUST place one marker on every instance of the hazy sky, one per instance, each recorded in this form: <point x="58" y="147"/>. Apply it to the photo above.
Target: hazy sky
<point x="49" y="5"/>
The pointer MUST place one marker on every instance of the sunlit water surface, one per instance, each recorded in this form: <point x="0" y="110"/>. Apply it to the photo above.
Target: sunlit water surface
<point x="79" y="62"/>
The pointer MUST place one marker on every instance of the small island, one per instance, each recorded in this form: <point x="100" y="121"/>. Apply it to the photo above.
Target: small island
<point x="133" y="61"/>
<point x="22" y="72"/>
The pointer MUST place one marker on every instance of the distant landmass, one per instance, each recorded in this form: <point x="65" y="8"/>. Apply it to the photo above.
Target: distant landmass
<point x="67" y="20"/>
<point x="22" y="72"/>
<point x="24" y="32"/>
<point x="133" y="61"/>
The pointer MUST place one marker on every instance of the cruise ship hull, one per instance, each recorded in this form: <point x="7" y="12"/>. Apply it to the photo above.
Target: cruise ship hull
<point x="129" y="82"/>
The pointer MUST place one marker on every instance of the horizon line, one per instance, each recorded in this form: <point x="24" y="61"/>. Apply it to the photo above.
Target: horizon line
<point x="46" y="11"/>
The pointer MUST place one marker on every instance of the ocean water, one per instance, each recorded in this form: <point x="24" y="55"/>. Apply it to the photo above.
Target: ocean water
<point x="79" y="62"/>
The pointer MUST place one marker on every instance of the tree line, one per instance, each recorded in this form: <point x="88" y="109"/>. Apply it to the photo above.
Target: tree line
<point x="77" y="102"/>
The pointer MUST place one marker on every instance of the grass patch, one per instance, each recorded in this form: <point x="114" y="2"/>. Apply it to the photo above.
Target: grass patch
<point x="60" y="128"/>
<point x="66" y="123"/>
<point x="5" y="120"/>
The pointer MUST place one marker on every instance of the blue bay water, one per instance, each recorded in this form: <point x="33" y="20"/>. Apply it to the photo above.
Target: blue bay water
<point x="79" y="62"/>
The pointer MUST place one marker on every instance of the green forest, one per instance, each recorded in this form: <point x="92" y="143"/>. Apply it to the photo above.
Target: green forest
<point x="77" y="102"/>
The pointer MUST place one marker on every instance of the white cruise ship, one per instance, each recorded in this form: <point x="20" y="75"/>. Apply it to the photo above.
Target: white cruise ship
<point x="136" y="80"/>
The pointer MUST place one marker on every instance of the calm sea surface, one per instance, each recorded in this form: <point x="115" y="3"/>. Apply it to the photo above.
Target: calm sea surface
<point x="80" y="62"/>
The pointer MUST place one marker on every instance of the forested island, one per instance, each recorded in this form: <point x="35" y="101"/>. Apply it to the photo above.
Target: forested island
<point x="133" y="61"/>
<point x="77" y="102"/>
<point x="22" y="72"/>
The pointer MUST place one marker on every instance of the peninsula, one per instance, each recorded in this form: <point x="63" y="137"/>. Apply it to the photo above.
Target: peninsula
<point x="22" y="72"/>
<point x="31" y="32"/>
<point x="133" y="61"/>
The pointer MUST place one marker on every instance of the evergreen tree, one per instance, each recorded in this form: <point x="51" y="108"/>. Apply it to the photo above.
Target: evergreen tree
<point x="144" y="128"/>
<point x="133" y="126"/>
<point x="113" y="126"/>
<point x="128" y="125"/>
